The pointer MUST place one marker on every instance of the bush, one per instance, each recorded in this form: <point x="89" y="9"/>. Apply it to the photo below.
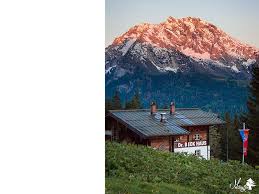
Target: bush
<point x="143" y="164"/>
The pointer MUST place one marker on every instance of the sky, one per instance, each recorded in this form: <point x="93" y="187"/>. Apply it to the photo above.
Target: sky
<point x="238" y="18"/>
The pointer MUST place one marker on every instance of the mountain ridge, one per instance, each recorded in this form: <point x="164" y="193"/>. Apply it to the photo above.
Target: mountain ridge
<point x="183" y="33"/>
<point x="205" y="47"/>
<point x="180" y="69"/>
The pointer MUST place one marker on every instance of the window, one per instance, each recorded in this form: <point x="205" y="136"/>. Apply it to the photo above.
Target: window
<point x="197" y="152"/>
<point x="177" y="139"/>
<point x="197" y="136"/>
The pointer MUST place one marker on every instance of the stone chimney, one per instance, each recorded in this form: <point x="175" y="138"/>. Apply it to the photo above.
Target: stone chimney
<point x="153" y="108"/>
<point x="163" y="119"/>
<point x="172" y="108"/>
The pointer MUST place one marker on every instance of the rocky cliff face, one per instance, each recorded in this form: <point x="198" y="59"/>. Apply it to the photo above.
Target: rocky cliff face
<point x="185" y="45"/>
<point x="187" y="59"/>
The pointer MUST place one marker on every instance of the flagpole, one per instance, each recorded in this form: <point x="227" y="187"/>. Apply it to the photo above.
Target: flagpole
<point x="243" y="158"/>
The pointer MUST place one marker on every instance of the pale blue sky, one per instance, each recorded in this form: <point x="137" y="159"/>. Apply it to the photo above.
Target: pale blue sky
<point x="239" y="18"/>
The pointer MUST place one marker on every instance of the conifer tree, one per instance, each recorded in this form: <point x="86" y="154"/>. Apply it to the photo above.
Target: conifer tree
<point x="135" y="102"/>
<point x="128" y="104"/>
<point x="251" y="118"/>
<point x="235" y="142"/>
<point x="225" y="134"/>
<point x="236" y="122"/>
<point x="108" y="105"/>
<point x="215" y="142"/>
<point x="116" y="101"/>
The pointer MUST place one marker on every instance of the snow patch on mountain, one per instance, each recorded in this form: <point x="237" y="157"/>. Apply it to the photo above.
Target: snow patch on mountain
<point x="126" y="47"/>
<point x="219" y="64"/>
<point x="190" y="52"/>
<point x="158" y="68"/>
<point x="235" y="69"/>
<point x="109" y="69"/>
<point x="166" y="68"/>
<point x="249" y="62"/>
<point x="121" y="72"/>
<point x="171" y="69"/>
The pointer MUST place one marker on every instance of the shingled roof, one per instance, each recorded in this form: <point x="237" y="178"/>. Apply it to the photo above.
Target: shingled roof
<point x="147" y="125"/>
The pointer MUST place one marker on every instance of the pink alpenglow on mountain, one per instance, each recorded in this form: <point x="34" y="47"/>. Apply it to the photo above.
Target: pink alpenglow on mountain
<point x="186" y="45"/>
<point x="191" y="36"/>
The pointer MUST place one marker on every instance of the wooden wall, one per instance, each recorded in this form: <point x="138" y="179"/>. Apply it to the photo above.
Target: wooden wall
<point x="122" y="134"/>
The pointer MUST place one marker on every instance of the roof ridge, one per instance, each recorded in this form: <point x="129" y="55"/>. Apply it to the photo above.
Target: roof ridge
<point x="129" y="110"/>
<point x="143" y="110"/>
<point x="140" y="122"/>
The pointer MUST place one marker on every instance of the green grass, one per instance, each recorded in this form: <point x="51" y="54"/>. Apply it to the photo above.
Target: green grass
<point x="138" y="168"/>
<point x="116" y="186"/>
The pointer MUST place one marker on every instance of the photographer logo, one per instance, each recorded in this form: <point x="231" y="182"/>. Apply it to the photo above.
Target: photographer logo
<point x="248" y="186"/>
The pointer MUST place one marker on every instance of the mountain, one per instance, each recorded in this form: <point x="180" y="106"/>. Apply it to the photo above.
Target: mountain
<point x="188" y="48"/>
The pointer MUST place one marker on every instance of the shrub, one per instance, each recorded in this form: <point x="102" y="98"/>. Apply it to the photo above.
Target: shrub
<point x="140" y="163"/>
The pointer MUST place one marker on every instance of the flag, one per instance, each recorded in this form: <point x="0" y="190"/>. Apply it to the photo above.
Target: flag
<point x="244" y="135"/>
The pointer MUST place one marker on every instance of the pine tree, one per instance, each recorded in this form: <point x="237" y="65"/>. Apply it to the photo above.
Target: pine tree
<point x="108" y="105"/>
<point x="235" y="142"/>
<point x="135" y="102"/>
<point x="127" y="105"/>
<point x="225" y="137"/>
<point x="116" y="101"/>
<point x="215" y="142"/>
<point x="251" y="118"/>
<point x="236" y="122"/>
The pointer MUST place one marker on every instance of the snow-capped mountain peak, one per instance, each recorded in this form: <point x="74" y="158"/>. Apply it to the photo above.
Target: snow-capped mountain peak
<point x="187" y="45"/>
<point x="192" y="36"/>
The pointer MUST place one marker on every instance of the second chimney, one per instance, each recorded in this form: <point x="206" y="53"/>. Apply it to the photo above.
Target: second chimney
<point x="172" y="108"/>
<point x="153" y="108"/>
